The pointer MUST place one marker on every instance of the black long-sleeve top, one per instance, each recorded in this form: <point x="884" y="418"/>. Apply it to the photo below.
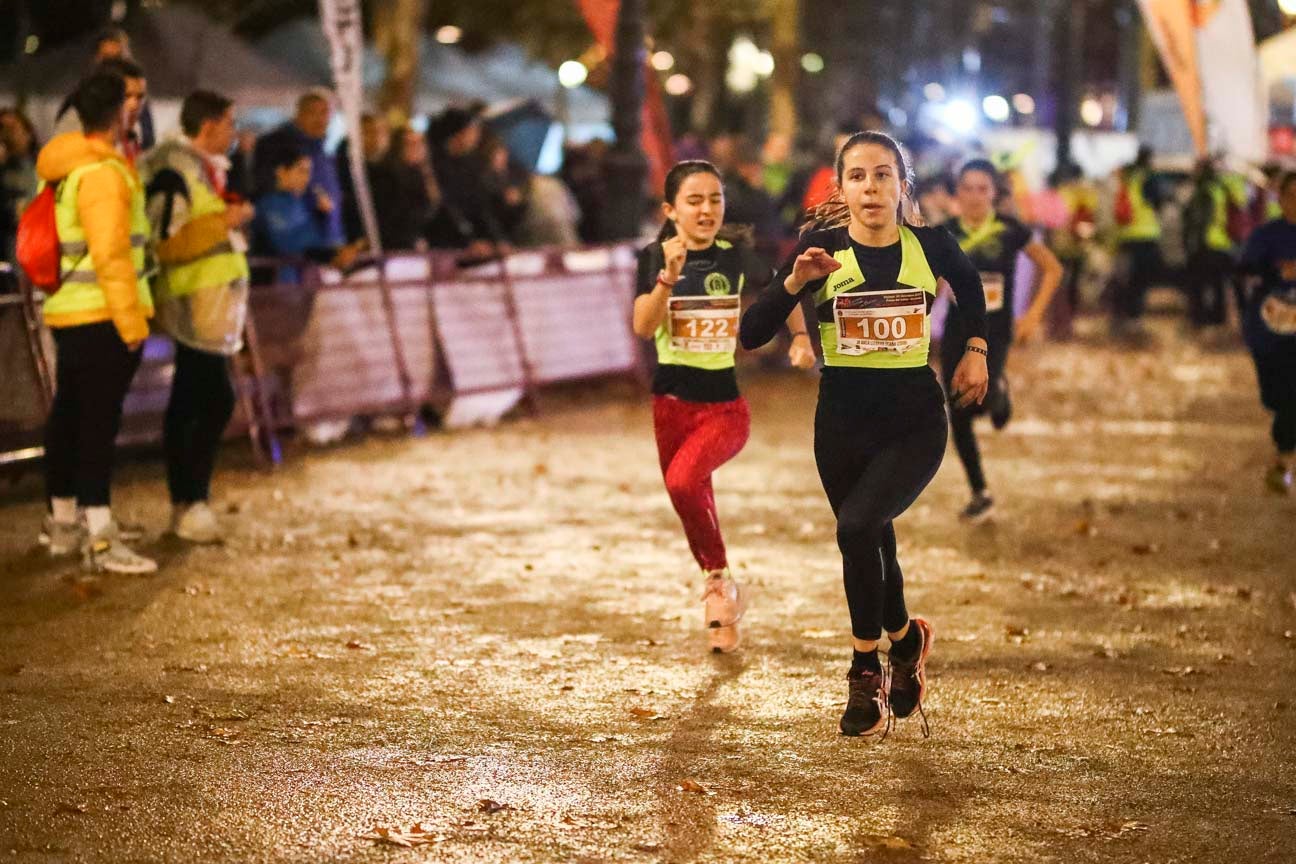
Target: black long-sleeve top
<point x="880" y="266"/>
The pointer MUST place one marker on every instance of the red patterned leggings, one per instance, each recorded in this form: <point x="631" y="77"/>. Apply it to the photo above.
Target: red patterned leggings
<point x="693" y="440"/>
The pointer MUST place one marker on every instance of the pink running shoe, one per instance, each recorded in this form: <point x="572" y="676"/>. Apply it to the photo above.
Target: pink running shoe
<point x="724" y="602"/>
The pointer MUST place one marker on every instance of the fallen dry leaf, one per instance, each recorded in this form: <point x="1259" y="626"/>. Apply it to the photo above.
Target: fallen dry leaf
<point x="357" y="645"/>
<point x="648" y="713"/>
<point x="486" y="805"/>
<point x="689" y="785"/>
<point x="417" y="834"/>
<point x="170" y="700"/>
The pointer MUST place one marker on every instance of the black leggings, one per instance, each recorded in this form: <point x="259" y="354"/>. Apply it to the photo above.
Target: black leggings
<point x="95" y="369"/>
<point x="1138" y="264"/>
<point x="879" y="438"/>
<point x="1209" y="271"/>
<point x="1276" y="369"/>
<point x="952" y="349"/>
<point x="202" y="401"/>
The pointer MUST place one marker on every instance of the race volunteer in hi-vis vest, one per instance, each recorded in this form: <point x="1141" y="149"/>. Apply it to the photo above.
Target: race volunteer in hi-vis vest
<point x="1208" y="245"/>
<point x="99" y="318"/>
<point x="1268" y="306"/>
<point x="992" y="242"/>
<point x="202" y="296"/>
<point x="688" y="301"/>
<point x="880" y="425"/>
<point x="1138" y="237"/>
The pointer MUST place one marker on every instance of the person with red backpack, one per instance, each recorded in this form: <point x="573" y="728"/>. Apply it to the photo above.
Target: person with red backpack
<point x="98" y="310"/>
<point x="1212" y="223"/>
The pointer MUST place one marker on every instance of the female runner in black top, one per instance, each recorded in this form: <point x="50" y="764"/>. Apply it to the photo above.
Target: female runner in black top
<point x="880" y="427"/>
<point x="992" y="242"/>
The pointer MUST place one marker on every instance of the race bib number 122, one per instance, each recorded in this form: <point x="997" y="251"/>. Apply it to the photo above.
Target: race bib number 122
<point x="894" y="320"/>
<point x="704" y="325"/>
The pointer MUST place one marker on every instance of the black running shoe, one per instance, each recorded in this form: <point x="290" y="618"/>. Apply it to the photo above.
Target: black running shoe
<point x="979" y="509"/>
<point x="909" y="674"/>
<point x="866" y="708"/>
<point x="1001" y="404"/>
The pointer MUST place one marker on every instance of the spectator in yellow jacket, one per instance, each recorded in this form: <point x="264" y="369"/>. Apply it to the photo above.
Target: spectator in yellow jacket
<point x="99" y="317"/>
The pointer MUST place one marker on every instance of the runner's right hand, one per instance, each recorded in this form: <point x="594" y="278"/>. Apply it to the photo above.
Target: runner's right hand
<point x="673" y="250"/>
<point x="814" y="263"/>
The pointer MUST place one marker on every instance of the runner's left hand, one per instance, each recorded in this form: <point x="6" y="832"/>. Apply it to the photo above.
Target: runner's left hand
<point x="971" y="380"/>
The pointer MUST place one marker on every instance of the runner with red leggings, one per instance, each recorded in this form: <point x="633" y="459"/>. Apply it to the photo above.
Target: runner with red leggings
<point x="688" y="300"/>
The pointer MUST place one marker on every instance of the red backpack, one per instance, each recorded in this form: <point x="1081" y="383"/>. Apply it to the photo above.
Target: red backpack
<point x="38" y="243"/>
<point x="1124" y="206"/>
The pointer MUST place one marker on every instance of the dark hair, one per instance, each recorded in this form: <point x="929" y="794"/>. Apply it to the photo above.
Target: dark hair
<point x="835" y="212"/>
<point x="26" y="122"/>
<point x="985" y="166"/>
<point x="122" y="68"/>
<point x="199" y="107"/>
<point x="98" y="101"/>
<point x="287" y="157"/>
<point x="1287" y="179"/>
<point x="675" y="178"/>
<point x="315" y="94"/>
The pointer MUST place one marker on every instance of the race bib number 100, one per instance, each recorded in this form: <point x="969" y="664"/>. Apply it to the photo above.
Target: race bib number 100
<point x="704" y="325"/>
<point x="894" y="320"/>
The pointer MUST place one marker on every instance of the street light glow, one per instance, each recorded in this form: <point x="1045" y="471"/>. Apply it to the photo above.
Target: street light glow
<point x="764" y="64"/>
<point x="1091" y="111"/>
<point x="1288" y="7"/>
<point x="678" y="84"/>
<point x="663" y="61"/>
<point x="449" y="34"/>
<point x="934" y="92"/>
<point x="995" y="107"/>
<point x="1024" y="103"/>
<point x="960" y="116"/>
<point x="742" y="75"/>
<point x="572" y="73"/>
<point x="812" y="63"/>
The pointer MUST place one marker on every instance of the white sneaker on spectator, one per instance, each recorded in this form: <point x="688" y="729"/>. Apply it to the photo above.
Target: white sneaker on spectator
<point x="196" y="523"/>
<point x="106" y="552"/>
<point x="327" y="432"/>
<point x="61" y="538"/>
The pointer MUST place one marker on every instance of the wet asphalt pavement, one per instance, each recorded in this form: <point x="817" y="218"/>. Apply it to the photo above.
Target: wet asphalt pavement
<point x="488" y="644"/>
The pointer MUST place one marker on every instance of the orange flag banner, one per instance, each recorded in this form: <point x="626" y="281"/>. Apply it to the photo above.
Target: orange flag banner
<point x="1171" y="24"/>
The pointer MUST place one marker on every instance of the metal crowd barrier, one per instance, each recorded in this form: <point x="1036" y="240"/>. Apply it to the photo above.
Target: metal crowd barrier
<point x="391" y="336"/>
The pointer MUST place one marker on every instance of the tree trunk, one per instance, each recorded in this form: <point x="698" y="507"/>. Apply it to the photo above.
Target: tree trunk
<point x="626" y="166"/>
<point x="1071" y="39"/>
<point x="785" y="27"/>
<point x="397" y="25"/>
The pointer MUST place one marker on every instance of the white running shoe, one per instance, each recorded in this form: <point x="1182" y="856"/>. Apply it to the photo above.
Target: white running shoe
<point x="196" y="523"/>
<point x="61" y="538"/>
<point x="107" y="553"/>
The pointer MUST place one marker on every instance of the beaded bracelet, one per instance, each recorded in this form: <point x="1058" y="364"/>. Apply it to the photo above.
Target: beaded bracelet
<point x="978" y="349"/>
